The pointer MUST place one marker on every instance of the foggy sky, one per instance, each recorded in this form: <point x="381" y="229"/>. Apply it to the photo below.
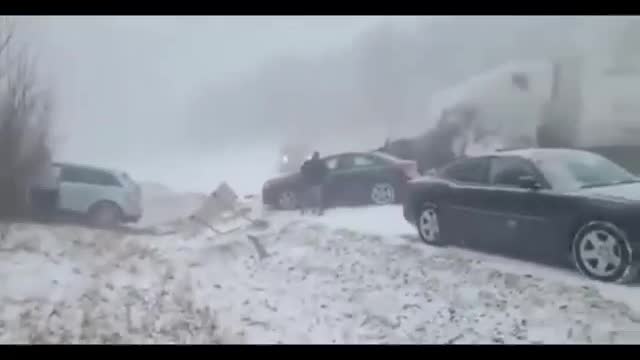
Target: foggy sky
<point x="128" y="82"/>
<point x="152" y="94"/>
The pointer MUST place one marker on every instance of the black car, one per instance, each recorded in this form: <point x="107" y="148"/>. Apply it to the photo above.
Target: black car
<point x="354" y="178"/>
<point x="549" y="204"/>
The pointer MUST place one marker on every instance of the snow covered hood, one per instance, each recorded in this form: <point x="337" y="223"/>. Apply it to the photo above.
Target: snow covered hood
<point x="624" y="192"/>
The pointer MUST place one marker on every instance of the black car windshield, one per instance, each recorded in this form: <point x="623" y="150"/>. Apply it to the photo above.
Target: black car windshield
<point x="573" y="170"/>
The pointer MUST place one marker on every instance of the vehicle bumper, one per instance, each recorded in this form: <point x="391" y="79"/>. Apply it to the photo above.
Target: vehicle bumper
<point x="408" y="212"/>
<point x="635" y="250"/>
<point x="267" y="197"/>
<point x="403" y="192"/>
<point x="633" y="237"/>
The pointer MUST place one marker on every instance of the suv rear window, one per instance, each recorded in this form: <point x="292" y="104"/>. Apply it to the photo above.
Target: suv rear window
<point x="88" y="176"/>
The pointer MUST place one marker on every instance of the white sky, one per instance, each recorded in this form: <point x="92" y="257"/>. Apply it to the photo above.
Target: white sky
<point x="124" y="84"/>
<point x="119" y="75"/>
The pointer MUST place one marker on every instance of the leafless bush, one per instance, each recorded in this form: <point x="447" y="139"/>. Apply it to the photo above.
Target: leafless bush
<point x="25" y="115"/>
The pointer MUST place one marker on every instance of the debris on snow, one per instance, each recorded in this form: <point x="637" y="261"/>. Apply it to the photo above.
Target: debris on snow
<point x="262" y="253"/>
<point x="319" y="284"/>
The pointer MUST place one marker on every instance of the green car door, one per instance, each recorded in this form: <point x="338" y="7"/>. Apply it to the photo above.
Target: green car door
<point x="351" y="181"/>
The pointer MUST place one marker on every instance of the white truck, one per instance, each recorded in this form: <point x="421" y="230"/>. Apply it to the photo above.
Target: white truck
<point x="588" y="102"/>
<point x="507" y="104"/>
<point x="587" y="99"/>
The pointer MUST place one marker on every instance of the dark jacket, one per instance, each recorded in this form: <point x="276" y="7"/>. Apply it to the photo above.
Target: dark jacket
<point x="314" y="172"/>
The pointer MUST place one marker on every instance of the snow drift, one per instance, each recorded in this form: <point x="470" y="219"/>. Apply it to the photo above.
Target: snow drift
<point x="321" y="282"/>
<point x="70" y="285"/>
<point x="162" y="204"/>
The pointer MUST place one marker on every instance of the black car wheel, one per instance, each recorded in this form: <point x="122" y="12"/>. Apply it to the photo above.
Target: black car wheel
<point x="383" y="194"/>
<point x="287" y="200"/>
<point x="428" y="225"/>
<point x="602" y="252"/>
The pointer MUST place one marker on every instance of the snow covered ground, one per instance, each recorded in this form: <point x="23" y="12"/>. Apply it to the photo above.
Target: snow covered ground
<point x="162" y="204"/>
<point x="352" y="276"/>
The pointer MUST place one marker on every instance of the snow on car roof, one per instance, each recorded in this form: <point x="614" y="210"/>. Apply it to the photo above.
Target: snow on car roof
<point x="86" y="167"/>
<point x="386" y="156"/>
<point x="537" y="153"/>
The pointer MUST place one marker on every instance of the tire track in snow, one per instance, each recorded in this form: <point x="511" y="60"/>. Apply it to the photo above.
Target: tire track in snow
<point x="400" y="292"/>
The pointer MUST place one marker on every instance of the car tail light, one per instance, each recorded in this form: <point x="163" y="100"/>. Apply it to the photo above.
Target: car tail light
<point x="410" y="169"/>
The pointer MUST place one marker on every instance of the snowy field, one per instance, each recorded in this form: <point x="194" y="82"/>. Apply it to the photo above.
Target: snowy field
<point x="162" y="204"/>
<point x="352" y="276"/>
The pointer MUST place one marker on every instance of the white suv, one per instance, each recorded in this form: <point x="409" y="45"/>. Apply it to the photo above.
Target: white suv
<point x="104" y="197"/>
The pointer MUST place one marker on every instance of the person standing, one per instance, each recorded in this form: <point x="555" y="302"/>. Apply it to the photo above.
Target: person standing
<point x="314" y="172"/>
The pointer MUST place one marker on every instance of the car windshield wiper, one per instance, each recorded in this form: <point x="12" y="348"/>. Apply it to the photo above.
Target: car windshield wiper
<point x="611" y="183"/>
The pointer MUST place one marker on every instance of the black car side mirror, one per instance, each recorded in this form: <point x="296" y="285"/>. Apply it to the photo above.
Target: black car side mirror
<point x="529" y="182"/>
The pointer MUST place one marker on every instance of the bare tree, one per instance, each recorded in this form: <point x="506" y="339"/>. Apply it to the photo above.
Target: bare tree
<point x="25" y="116"/>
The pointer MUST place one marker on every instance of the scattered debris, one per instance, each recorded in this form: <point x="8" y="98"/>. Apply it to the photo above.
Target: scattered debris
<point x="262" y="253"/>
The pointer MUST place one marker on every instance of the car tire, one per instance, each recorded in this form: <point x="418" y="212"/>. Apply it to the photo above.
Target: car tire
<point x="287" y="200"/>
<point x="105" y="214"/>
<point x="601" y="251"/>
<point x="382" y="193"/>
<point x="428" y="225"/>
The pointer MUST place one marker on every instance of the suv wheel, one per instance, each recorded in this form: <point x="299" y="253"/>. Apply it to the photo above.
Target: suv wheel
<point x="105" y="215"/>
